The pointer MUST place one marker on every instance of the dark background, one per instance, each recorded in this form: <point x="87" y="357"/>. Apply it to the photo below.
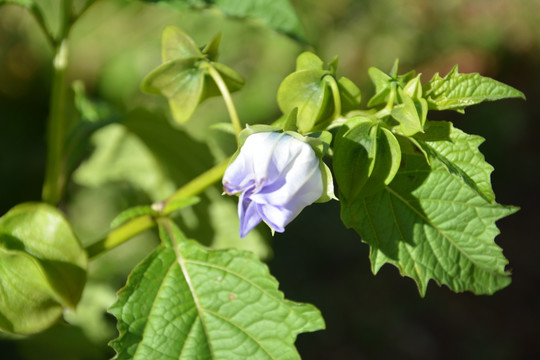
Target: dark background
<point x="317" y="260"/>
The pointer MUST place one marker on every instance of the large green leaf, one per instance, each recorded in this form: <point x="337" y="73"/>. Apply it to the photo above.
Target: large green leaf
<point x="457" y="91"/>
<point x="185" y="301"/>
<point x="42" y="268"/>
<point x="432" y="223"/>
<point x="278" y="15"/>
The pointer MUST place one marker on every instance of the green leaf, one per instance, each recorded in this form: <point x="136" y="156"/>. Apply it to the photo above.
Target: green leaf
<point x="366" y="158"/>
<point x="306" y="91"/>
<point x="328" y="184"/>
<point x="20" y="274"/>
<point x="432" y="224"/>
<point x="350" y="95"/>
<point x="180" y="81"/>
<point x="386" y="83"/>
<point x="459" y="154"/>
<point x="457" y="91"/>
<point x="42" y="268"/>
<point x="382" y="81"/>
<point x="387" y="160"/>
<point x="407" y="115"/>
<point x="278" y="15"/>
<point x="211" y="50"/>
<point x="183" y="77"/>
<point x="177" y="45"/>
<point x="185" y="301"/>
<point x="309" y="61"/>
<point x="436" y="131"/>
<point x="354" y="158"/>
<point x="232" y="79"/>
<point x="316" y="93"/>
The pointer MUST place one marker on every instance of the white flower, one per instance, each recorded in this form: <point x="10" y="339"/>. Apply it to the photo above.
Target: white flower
<point x="277" y="176"/>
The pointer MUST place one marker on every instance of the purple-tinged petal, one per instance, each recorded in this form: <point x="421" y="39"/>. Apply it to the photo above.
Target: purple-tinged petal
<point x="251" y="164"/>
<point x="277" y="176"/>
<point x="248" y="215"/>
<point x="275" y="217"/>
<point x="238" y="175"/>
<point x="300" y="179"/>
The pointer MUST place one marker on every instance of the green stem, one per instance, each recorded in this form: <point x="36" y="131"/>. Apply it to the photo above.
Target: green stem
<point x="200" y="183"/>
<point x="55" y="172"/>
<point x="330" y="80"/>
<point x="142" y="223"/>
<point x="226" y="97"/>
<point x="55" y="177"/>
<point x="121" y="234"/>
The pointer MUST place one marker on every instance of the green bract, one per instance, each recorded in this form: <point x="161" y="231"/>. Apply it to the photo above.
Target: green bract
<point x="367" y="157"/>
<point x="185" y="301"/>
<point x="42" y="268"/>
<point x="189" y="75"/>
<point x="316" y="93"/>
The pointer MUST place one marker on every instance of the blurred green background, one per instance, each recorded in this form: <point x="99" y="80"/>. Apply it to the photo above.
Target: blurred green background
<point x="116" y="43"/>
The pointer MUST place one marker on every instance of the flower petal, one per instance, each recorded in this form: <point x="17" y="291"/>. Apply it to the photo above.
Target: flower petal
<point x="277" y="176"/>
<point x="248" y="215"/>
<point x="251" y="164"/>
<point x="276" y="217"/>
<point x="300" y="178"/>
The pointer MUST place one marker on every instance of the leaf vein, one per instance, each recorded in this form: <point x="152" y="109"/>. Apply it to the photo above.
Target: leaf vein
<point x="243" y="331"/>
<point x="427" y="221"/>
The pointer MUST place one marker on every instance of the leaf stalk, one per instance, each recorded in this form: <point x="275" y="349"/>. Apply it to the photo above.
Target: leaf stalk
<point x="142" y="223"/>
<point x="225" y="93"/>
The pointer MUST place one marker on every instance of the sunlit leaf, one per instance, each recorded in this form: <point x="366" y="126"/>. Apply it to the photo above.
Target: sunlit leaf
<point x="185" y="301"/>
<point x="432" y="223"/>
<point x="457" y="91"/>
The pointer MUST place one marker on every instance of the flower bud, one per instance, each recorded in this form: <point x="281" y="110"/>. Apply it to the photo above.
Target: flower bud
<point x="276" y="176"/>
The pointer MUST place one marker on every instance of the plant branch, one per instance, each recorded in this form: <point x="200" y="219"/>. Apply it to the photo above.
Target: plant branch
<point x="55" y="171"/>
<point x="55" y="177"/>
<point x="121" y="234"/>
<point x="142" y="223"/>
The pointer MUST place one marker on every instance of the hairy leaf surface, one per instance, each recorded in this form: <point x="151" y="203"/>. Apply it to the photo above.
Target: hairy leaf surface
<point x="436" y="222"/>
